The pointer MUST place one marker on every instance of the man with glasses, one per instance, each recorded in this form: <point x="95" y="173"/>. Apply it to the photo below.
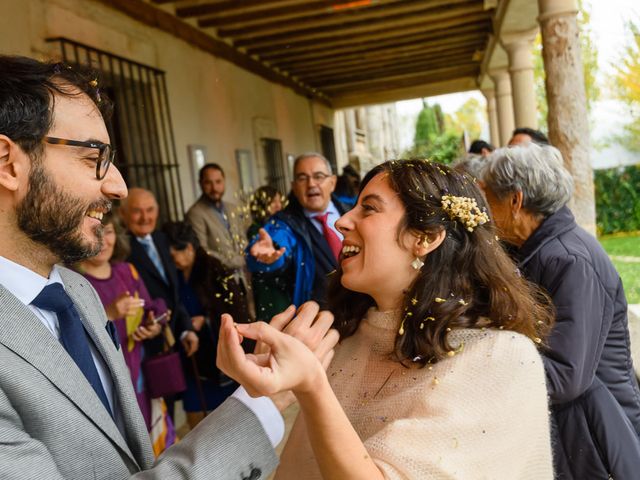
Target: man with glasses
<point x="67" y="406"/>
<point x="301" y="243"/>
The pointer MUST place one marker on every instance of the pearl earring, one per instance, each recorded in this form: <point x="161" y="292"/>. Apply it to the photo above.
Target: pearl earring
<point x="417" y="264"/>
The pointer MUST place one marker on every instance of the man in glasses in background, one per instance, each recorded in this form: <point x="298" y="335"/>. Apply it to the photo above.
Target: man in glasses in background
<point x="301" y="243"/>
<point x="67" y="406"/>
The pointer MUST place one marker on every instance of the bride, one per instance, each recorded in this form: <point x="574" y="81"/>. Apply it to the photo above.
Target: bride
<point x="437" y="374"/>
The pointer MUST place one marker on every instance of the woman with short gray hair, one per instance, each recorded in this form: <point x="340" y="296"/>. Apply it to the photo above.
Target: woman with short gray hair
<point x="595" y="400"/>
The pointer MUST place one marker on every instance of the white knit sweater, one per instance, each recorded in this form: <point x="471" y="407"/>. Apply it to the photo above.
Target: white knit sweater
<point x="480" y="414"/>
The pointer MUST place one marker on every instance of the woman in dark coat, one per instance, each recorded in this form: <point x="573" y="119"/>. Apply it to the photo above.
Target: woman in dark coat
<point x="590" y="376"/>
<point x="207" y="290"/>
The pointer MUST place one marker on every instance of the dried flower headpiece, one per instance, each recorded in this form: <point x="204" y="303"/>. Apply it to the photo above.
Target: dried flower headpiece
<point x="465" y="210"/>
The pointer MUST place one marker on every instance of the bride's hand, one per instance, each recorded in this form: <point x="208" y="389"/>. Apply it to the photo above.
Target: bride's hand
<point x="289" y="365"/>
<point x="308" y="324"/>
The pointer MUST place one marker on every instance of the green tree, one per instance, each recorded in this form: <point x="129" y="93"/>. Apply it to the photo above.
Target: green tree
<point x="468" y="118"/>
<point x="437" y="136"/>
<point x="428" y="124"/>
<point x="626" y="85"/>
<point x="589" y="52"/>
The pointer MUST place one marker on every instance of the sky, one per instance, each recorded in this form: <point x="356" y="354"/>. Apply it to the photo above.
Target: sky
<point x="608" y="18"/>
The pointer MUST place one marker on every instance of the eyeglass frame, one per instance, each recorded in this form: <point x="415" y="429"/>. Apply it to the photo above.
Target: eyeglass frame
<point x="106" y="152"/>
<point x="318" y="177"/>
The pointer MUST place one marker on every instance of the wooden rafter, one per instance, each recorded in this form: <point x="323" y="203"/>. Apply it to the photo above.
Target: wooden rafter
<point x="422" y="49"/>
<point x="402" y="81"/>
<point x="426" y="16"/>
<point x="333" y="48"/>
<point x="379" y="12"/>
<point x="460" y="59"/>
<point x="399" y="39"/>
<point x="231" y="8"/>
<point x="310" y="9"/>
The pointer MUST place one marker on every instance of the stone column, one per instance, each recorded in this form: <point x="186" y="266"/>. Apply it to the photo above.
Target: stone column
<point x="518" y="46"/>
<point x="504" y="104"/>
<point x="568" y="117"/>
<point x="492" y="114"/>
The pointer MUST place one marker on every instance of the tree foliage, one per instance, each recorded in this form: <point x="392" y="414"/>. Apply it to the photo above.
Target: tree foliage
<point x="617" y="199"/>
<point x="469" y="118"/>
<point x="627" y="86"/>
<point x="438" y="136"/>
<point x="589" y="53"/>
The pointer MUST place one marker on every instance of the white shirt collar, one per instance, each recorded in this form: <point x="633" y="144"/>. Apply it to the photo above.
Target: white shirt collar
<point x="23" y="283"/>
<point x="147" y="238"/>
<point x="331" y="210"/>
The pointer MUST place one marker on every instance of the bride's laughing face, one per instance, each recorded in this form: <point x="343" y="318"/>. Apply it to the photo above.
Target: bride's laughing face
<point x="376" y="255"/>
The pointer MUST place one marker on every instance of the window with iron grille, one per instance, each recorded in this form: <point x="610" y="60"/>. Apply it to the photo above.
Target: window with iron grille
<point x="140" y="128"/>
<point x="276" y="177"/>
<point x="329" y="147"/>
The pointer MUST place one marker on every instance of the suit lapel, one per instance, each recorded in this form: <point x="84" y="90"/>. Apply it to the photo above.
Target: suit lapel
<point x="125" y="399"/>
<point x="320" y="244"/>
<point x="138" y="251"/>
<point x="24" y="334"/>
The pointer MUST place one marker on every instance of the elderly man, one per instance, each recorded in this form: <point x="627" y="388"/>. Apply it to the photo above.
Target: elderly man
<point x="308" y="244"/>
<point x="67" y="406"/>
<point x="592" y="386"/>
<point x="151" y="256"/>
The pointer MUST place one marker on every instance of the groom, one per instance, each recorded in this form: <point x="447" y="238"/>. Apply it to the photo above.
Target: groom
<point x="67" y="406"/>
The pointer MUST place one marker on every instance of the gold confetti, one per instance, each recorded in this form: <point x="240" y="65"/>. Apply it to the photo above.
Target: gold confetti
<point x="439" y="300"/>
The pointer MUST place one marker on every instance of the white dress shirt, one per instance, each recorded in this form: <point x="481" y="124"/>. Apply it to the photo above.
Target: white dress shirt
<point x="25" y="285"/>
<point x="332" y="218"/>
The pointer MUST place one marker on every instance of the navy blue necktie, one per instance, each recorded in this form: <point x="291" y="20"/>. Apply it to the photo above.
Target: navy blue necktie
<point x="73" y="336"/>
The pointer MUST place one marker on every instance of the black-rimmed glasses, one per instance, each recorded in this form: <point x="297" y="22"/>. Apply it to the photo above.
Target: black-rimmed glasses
<point x="106" y="152"/>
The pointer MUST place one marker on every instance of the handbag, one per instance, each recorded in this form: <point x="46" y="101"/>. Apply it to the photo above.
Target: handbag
<point x="163" y="373"/>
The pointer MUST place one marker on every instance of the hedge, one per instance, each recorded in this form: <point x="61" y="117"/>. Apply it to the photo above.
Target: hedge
<point x="617" y="199"/>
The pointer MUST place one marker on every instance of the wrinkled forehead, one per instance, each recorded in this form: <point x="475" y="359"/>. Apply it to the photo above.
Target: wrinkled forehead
<point x="142" y="200"/>
<point x="311" y="165"/>
<point x="76" y="117"/>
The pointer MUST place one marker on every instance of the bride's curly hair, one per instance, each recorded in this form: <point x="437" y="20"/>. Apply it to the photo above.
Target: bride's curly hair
<point x="469" y="281"/>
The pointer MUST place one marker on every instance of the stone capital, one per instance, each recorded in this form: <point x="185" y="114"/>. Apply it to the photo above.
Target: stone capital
<point x="489" y="93"/>
<point x="502" y="81"/>
<point x="556" y="8"/>
<point x="519" y="46"/>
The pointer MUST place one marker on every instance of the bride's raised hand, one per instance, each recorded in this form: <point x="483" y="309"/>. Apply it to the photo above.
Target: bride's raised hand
<point x="289" y="365"/>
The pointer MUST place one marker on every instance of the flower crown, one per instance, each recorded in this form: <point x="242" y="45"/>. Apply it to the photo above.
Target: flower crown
<point x="465" y="210"/>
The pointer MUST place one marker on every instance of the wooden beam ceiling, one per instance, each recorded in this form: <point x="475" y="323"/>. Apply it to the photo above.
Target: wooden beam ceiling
<point x="302" y="23"/>
<point x="357" y="27"/>
<point x="338" y="48"/>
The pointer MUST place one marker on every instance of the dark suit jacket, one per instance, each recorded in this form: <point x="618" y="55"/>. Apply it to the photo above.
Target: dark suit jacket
<point x="325" y="262"/>
<point x="157" y="287"/>
<point x="595" y="400"/>
<point x="54" y="427"/>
